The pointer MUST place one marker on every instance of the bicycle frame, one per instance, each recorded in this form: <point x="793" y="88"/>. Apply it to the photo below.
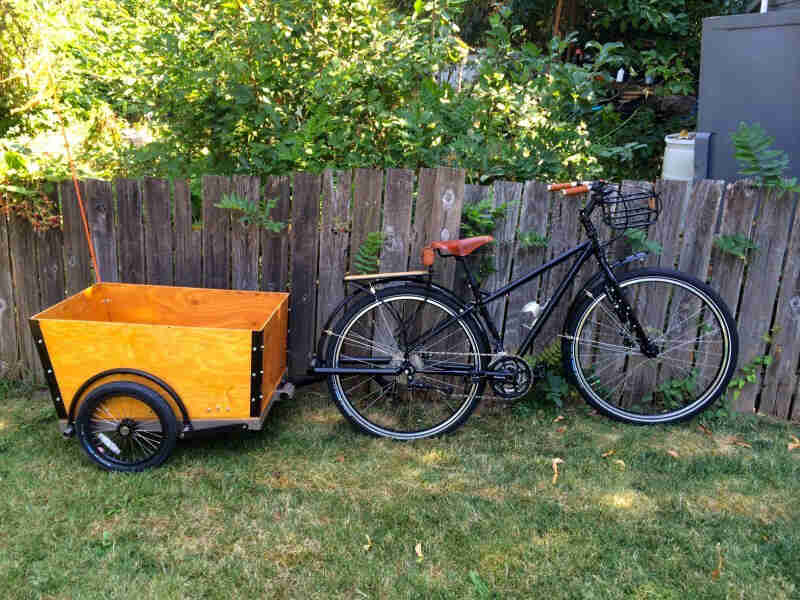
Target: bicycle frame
<point x="584" y="251"/>
<point x="591" y="247"/>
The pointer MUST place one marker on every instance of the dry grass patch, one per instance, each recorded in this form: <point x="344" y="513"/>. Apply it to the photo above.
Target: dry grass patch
<point x="766" y="508"/>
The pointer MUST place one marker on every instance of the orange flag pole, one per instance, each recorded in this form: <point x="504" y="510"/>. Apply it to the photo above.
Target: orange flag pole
<point x="97" y="277"/>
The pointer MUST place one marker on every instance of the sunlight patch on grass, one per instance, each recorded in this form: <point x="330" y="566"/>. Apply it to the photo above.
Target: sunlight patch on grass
<point x="686" y="442"/>
<point x="433" y="457"/>
<point x="323" y="416"/>
<point x="631" y="501"/>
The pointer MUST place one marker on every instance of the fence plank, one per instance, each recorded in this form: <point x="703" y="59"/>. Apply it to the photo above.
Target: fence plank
<point x="333" y="242"/>
<point x="506" y="194"/>
<point x="700" y="218"/>
<point x="304" y="242"/>
<point x="77" y="262"/>
<point x="563" y="236"/>
<point x="738" y="214"/>
<point x="448" y="200"/>
<point x="216" y="233"/>
<point x="473" y="194"/>
<point x="781" y="376"/>
<point x="532" y="219"/>
<point x="420" y="228"/>
<point x="771" y="236"/>
<point x="188" y="240"/>
<point x="275" y="246"/>
<point x="698" y="230"/>
<point x="131" y="231"/>
<point x="674" y="198"/>
<point x="157" y="231"/>
<point x="100" y="215"/>
<point x="245" y="238"/>
<point x="26" y="290"/>
<point x="366" y="211"/>
<point x="49" y="249"/>
<point x="9" y="350"/>
<point x="398" y="199"/>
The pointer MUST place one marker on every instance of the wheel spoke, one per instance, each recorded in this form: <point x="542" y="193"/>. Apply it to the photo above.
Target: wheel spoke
<point x="687" y="372"/>
<point x="415" y="403"/>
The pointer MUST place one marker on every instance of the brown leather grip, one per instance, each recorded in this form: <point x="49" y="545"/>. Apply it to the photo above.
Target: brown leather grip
<point x="574" y="191"/>
<point x="428" y="256"/>
<point x="554" y="187"/>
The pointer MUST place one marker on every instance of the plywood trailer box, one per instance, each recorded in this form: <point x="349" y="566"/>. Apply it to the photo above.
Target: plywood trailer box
<point x="214" y="357"/>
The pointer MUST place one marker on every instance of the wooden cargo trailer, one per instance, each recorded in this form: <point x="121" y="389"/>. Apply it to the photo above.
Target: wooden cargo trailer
<point x="133" y="367"/>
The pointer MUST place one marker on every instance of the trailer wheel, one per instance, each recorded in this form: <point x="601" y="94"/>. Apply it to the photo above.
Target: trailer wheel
<point x="125" y="426"/>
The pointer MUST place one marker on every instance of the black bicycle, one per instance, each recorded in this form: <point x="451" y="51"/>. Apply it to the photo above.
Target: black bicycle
<point x="406" y="358"/>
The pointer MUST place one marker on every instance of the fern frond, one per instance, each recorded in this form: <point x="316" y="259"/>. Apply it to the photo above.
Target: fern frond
<point x="366" y="259"/>
<point x="757" y="158"/>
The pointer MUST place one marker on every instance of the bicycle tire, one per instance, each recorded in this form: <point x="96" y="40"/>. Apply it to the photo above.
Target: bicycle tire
<point x="688" y="321"/>
<point x="125" y="426"/>
<point x="373" y="330"/>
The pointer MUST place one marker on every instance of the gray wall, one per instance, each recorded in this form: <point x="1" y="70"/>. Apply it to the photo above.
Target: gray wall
<point x="750" y="71"/>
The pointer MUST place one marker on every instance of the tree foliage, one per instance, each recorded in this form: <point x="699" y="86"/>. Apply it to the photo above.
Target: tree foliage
<point x="253" y="86"/>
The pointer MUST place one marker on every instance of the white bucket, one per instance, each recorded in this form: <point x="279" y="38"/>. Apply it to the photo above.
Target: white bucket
<point x="678" y="158"/>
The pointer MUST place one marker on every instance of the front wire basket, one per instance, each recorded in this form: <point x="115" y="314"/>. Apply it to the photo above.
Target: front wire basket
<point x="630" y="205"/>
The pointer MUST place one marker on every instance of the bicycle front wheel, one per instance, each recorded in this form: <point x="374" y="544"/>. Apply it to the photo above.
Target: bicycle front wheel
<point x="689" y="323"/>
<point x="437" y="388"/>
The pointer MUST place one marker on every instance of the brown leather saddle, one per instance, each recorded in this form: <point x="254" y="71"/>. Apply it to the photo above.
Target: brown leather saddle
<point x="454" y="248"/>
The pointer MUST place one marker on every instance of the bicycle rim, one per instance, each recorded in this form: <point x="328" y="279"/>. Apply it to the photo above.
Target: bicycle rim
<point x="423" y="403"/>
<point x="690" y="370"/>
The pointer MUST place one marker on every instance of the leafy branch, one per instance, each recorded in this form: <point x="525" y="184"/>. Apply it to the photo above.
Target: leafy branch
<point x="641" y="243"/>
<point x="253" y="212"/>
<point x="757" y="158"/>
<point x="481" y="218"/>
<point x="748" y="374"/>
<point x="533" y="239"/>
<point x="735" y="244"/>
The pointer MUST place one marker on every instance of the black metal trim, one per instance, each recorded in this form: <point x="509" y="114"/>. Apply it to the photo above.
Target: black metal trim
<point x="49" y="374"/>
<point x="187" y="424"/>
<point x="256" y="373"/>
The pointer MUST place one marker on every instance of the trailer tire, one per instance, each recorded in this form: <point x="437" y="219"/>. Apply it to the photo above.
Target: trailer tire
<point x="125" y="426"/>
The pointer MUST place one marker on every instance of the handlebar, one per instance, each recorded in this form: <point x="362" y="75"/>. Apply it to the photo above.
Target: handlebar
<point x="574" y="191"/>
<point x="554" y="187"/>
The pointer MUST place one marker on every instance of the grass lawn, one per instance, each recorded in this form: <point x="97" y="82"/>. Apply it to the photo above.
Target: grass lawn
<point x="308" y="508"/>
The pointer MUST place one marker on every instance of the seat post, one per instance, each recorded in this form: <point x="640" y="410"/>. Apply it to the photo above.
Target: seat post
<point x="473" y="284"/>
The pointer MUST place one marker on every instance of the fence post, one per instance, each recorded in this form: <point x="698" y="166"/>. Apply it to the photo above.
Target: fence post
<point x="9" y="351"/>
<point x="26" y="290"/>
<point x="781" y="375"/>
<point x="771" y="236"/>
<point x="216" y="233"/>
<point x="157" y="231"/>
<point x="304" y="240"/>
<point x="131" y="231"/>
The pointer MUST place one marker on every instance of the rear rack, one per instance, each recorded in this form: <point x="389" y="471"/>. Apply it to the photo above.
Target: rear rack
<point x="386" y="275"/>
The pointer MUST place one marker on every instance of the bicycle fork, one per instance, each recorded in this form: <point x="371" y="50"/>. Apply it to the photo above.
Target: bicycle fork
<point x="615" y="294"/>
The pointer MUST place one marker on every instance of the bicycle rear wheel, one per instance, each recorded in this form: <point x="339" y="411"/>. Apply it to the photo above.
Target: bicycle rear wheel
<point x="435" y="393"/>
<point x="689" y="323"/>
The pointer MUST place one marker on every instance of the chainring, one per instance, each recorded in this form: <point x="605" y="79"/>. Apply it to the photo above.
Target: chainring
<point x="518" y="377"/>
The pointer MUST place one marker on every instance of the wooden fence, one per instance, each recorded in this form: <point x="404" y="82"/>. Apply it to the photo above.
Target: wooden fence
<point x="143" y="233"/>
